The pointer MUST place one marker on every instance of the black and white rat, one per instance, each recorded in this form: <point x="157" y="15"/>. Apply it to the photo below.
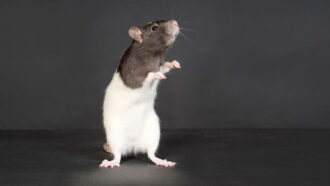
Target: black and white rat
<point x="130" y="121"/>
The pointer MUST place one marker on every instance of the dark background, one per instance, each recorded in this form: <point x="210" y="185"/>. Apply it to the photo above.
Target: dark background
<point x="260" y="64"/>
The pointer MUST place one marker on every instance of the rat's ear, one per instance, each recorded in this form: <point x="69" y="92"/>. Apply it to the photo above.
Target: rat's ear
<point x="136" y="34"/>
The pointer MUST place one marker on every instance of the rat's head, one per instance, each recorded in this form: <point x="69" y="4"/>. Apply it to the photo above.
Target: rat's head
<point x="156" y="35"/>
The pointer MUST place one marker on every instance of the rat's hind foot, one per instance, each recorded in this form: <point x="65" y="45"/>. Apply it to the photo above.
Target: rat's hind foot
<point x="161" y="162"/>
<point x="105" y="163"/>
<point x="164" y="163"/>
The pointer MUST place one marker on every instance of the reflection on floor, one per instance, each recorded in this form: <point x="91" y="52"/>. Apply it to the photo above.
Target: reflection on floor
<point x="228" y="157"/>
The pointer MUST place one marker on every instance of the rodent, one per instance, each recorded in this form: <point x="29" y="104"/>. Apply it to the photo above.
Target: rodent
<point x="129" y="118"/>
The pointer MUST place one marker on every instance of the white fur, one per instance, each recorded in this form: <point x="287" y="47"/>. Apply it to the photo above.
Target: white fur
<point x="130" y="121"/>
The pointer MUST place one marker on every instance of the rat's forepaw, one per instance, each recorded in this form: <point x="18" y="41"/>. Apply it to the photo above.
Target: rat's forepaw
<point x="105" y="164"/>
<point x="173" y="64"/>
<point x="164" y="163"/>
<point x="176" y="64"/>
<point x="159" y="75"/>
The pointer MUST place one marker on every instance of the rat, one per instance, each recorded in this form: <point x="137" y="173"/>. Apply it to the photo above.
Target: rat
<point x="129" y="118"/>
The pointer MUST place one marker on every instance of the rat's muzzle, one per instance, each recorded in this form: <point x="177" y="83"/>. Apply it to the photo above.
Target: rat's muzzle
<point x="173" y="27"/>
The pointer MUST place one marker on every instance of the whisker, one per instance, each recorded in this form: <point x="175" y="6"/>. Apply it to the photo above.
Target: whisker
<point x="185" y="37"/>
<point x="187" y="29"/>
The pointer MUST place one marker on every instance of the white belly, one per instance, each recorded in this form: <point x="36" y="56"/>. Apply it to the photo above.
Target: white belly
<point x="127" y="113"/>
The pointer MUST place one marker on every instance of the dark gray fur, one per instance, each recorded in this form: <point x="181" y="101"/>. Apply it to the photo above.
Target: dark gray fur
<point x="141" y="58"/>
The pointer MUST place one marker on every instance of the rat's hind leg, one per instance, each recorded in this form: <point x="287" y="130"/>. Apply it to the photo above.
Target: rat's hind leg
<point x="152" y="135"/>
<point x="113" y="147"/>
<point x="116" y="157"/>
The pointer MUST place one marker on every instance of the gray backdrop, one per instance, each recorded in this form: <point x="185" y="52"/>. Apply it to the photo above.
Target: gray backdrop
<point x="245" y="63"/>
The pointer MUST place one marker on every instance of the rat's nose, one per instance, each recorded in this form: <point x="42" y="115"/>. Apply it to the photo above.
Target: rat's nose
<point x="174" y="23"/>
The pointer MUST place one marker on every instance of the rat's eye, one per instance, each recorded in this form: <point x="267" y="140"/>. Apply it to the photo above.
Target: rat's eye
<point x="153" y="28"/>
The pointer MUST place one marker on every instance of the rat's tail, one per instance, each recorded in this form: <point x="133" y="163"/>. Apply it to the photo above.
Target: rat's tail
<point x="106" y="148"/>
